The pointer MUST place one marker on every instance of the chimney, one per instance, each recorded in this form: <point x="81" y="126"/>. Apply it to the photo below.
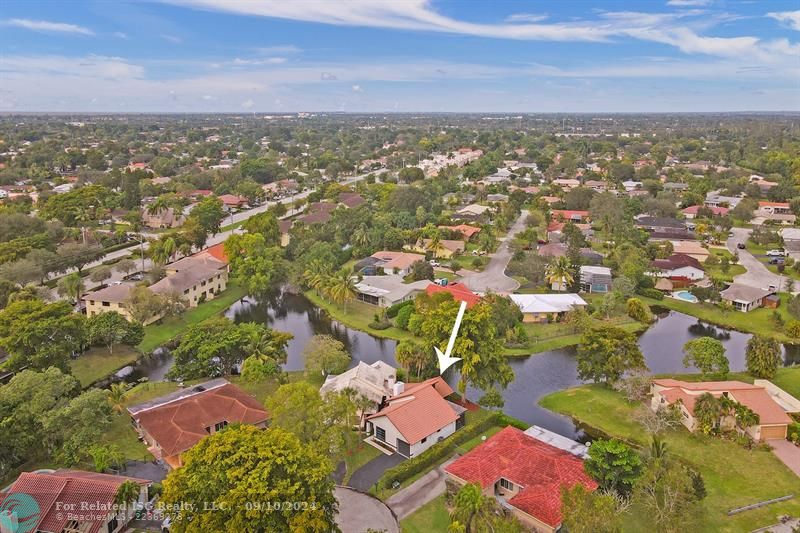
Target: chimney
<point x="398" y="388"/>
<point x="390" y="381"/>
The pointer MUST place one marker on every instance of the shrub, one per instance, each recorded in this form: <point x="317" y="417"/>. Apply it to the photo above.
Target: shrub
<point x="793" y="434"/>
<point x="655" y="294"/>
<point x="793" y="328"/>
<point x="403" y="317"/>
<point x="392" y="311"/>
<point x="638" y="310"/>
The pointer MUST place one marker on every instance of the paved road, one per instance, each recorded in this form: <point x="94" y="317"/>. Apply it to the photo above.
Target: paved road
<point x="788" y="453"/>
<point x="757" y="274"/>
<point x="493" y="278"/>
<point x="420" y="492"/>
<point x="359" y="512"/>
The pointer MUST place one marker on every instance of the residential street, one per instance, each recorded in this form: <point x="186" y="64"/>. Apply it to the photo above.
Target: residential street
<point x="494" y="278"/>
<point x="757" y="274"/>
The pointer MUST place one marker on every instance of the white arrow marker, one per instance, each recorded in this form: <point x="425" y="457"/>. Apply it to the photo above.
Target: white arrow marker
<point x="445" y="361"/>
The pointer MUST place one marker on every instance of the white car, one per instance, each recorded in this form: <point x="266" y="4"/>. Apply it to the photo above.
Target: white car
<point x="435" y="263"/>
<point x="775" y="253"/>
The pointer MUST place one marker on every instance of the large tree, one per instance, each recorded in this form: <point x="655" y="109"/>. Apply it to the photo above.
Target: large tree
<point x="325" y="355"/>
<point x="606" y="353"/>
<point x="241" y="478"/>
<point x="707" y="354"/>
<point x="614" y="465"/>
<point x="668" y="493"/>
<point x="585" y="511"/>
<point x="209" y="214"/>
<point x="763" y="356"/>
<point x="482" y="364"/>
<point x="254" y="264"/>
<point x="266" y="225"/>
<point x="111" y="328"/>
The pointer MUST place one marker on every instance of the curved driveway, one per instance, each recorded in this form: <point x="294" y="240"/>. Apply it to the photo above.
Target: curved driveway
<point x="757" y="274"/>
<point x="493" y="278"/>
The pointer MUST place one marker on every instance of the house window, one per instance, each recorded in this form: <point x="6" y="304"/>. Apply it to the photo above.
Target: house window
<point x="220" y="425"/>
<point x="106" y="304"/>
<point x="186" y="291"/>
<point x="506" y="484"/>
<point x="380" y="433"/>
<point x="423" y="440"/>
<point x="202" y="283"/>
<point x="113" y="524"/>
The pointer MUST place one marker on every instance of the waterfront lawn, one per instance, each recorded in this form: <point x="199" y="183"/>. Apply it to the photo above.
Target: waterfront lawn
<point x="544" y="337"/>
<point x="733" y="475"/>
<point x="96" y="363"/>
<point x="431" y="517"/>
<point x="159" y="333"/>
<point x="787" y="378"/>
<point x="758" y="321"/>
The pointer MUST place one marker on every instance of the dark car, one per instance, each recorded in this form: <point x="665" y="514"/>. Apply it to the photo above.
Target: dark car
<point x="740" y="246"/>
<point x="777" y="261"/>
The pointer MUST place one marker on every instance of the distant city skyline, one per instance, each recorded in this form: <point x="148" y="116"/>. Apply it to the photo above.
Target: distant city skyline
<point x="205" y="56"/>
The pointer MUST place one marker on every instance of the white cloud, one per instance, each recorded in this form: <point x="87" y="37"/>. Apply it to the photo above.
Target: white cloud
<point x="526" y="17"/>
<point x="689" y="3"/>
<point x="120" y="35"/>
<point x="93" y="66"/>
<point x="171" y="38"/>
<point x="357" y="88"/>
<point x="278" y="49"/>
<point x="247" y="104"/>
<point x="47" y="26"/>
<point x="789" y="18"/>
<point x="267" y="61"/>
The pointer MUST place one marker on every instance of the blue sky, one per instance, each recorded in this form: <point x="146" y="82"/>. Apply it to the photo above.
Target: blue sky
<point x="400" y="55"/>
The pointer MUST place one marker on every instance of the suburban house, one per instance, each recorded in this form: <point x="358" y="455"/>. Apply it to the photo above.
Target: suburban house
<point x="473" y="210"/>
<point x="233" y="201"/>
<point x="744" y="297"/>
<point x="416" y="418"/>
<point x="284" y="226"/>
<point x="398" y="263"/>
<point x="173" y="424"/>
<point x="92" y="494"/>
<point x="445" y="250"/>
<point x="542" y="308"/>
<point x="375" y="381"/>
<point x="567" y="215"/>
<point x="524" y="474"/>
<point x="566" y="184"/>
<point x="691" y="211"/>
<point x="459" y="291"/>
<point x="595" y="279"/>
<point x="385" y="291"/>
<point x="690" y="248"/>
<point x="318" y="213"/>
<point x="791" y="242"/>
<point x="350" y="199"/>
<point x="715" y="199"/>
<point x="464" y="229"/>
<point x="775" y="212"/>
<point x="660" y="224"/>
<point x="195" y="278"/>
<point x="498" y="198"/>
<point x="167" y="217"/>
<point x="678" y="267"/>
<point x="768" y="401"/>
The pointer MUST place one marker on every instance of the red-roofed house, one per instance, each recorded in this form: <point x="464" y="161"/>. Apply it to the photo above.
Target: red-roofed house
<point x="567" y="214"/>
<point x="459" y="291"/>
<point x="691" y="211"/>
<point x="768" y="401"/>
<point x="233" y="201"/>
<point x="524" y="473"/>
<point x="174" y="423"/>
<point x="416" y="419"/>
<point x="68" y="501"/>
<point x="465" y="229"/>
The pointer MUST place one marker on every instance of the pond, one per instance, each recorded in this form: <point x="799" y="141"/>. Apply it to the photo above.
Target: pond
<point x="535" y="376"/>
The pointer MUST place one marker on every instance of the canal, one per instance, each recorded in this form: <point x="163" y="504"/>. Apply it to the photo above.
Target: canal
<point x="535" y="376"/>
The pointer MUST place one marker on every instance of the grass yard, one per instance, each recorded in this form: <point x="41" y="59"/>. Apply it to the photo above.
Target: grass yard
<point x="97" y="363"/>
<point x="430" y="518"/>
<point x="787" y="378"/>
<point x="758" y="321"/>
<point x="733" y="476"/>
<point x="716" y="272"/>
<point x="160" y="333"/>
<point x="358" y="456"/>
<point x="759" y="251"/>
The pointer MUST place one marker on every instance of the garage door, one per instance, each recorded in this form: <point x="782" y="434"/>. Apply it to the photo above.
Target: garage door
<point x="773" y="432"/>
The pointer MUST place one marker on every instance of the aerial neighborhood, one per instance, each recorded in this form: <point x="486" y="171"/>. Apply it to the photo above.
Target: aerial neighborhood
<point x="220" y="310"/>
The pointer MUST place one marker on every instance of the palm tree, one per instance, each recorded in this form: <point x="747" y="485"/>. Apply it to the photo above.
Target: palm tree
<point x="410" y="356"/>
<point x="156" y="206"/>
<point x="360" y="236"/>
<point x="707" y="411"/>
<point x="127" y="493"/>
<point x="746" y="417"/>
<point x="341" y="287"/>
<point x="71" y="286"/>
<point x="316" y="275"/>
<point x="116" y="396"/>
<point x="169" y="247"/>
<point x="471" y="507"/>
<point x="434" y="244"/>
<point x="559" y="273"/>
<point x="658" y="448"/>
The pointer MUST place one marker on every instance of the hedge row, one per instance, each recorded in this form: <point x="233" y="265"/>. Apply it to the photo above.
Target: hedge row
<point x="655" y="294"/>
<point x="439" y="451"/>
<point x="392" y="310"/>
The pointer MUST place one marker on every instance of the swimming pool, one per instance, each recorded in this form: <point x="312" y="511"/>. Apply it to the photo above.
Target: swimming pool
<point x="686" y="296"/>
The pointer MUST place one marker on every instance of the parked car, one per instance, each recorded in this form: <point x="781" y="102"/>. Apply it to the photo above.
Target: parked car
<point x="435" y="263"/>
<point x="777" y="261"/>
<point x="740" y="246"/>
<point x="775" y="253"/>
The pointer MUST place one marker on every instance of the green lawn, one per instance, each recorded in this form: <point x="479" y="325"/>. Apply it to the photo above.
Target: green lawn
<point x="733" y="476"/>
<point x="97" y="363"/>
<point x="430" y="518"/>
<point x="761" y="250"/>
<point x="356" y="457"/>
<point x="716" y="272"/>
<point x="544" y="337"/>
<point x="757" y="321"/>
<point x="160" y="333"/>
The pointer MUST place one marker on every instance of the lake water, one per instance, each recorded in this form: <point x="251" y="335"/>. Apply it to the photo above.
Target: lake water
<point x="535" y="376"/>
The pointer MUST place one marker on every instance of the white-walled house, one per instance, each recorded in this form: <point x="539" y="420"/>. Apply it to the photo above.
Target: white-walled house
<point x="417" y="418"/>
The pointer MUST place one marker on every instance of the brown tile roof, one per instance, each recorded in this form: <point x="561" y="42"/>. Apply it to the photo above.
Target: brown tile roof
<point x="113" y="293"/>
<point x="465" y="229"/>
<point x="179" y="424"/>
<point x="54" y="492"/>
<point x="400" y="260"/>
<point x="185" y="279"/>
<point x="421" y="410"/>
<point x="351" y="199"/>
<point x="677" y="261"/>
<point x="541" y="470"/>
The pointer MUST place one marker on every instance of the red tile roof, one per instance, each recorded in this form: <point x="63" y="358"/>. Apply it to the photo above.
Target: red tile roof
<point x="677" y="261"/>
<point x="217" y="251"/>
<point x="54" y="492"/>
<point x="459" y="291"/>
<point x="539" y="468"/>
<point x="568" y="214"/>
<point x="178" y="425"/>
<point x="716" y="211"/>
<point x="232" y="199"/>
<point x="465" y="229"/>
<point x="785" y="205"/>
<point x="420" y="410"/>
